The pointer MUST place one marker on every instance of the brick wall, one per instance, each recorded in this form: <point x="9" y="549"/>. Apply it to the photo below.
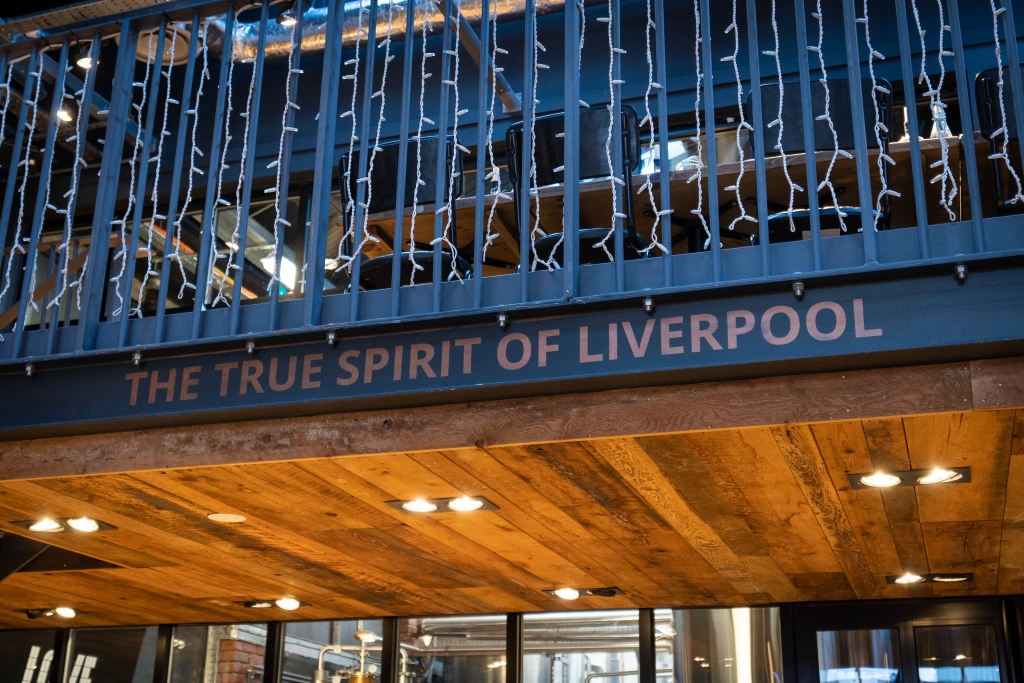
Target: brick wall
<point x="236" y="658"/>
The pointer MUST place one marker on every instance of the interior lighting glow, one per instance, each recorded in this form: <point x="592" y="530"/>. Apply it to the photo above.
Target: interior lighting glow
<point x="881" y="480"/>
<point x="84" y="524"/>
<point x="910" y="577"/>
<point x="940" y="476"/>
<point x="568" y="593"/>
<point x="365" y="636"/>
<point x="289" y="604"/>
<point x="419" y="505"/>
<point x="65" y="612"/>
<point x="949" y="579"/>
<point x="46" y="525"/>
<point x="225" y="518"/>
<point x="84" y="61"/>
<point x="465" y="504"/>
<point x="64" y="115"/>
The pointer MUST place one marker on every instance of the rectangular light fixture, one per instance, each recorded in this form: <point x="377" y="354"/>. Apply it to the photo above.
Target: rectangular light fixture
<point x="434" y="505"/>
<point x="575" y="593"/>
<point x="942" y="577"/>
<point x="916" y="477"/>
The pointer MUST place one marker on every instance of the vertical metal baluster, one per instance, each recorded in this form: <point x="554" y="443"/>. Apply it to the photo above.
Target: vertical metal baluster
<point x="323" y="172"/>
<point x="806" y="109"/>
<point x="179" y="160"/>
<point x="71" y="300"/>
<point x="208" y="244"/>
<point x="860" y="140"/>
<point x="754" y="53"/>
<point x="286" y="155"/>
<point x="57" y="100"/>
<point x="481" y="152"/>
<point x="365" y="148"/>
<point x="917" y="171"/>
<point x="712" y="143"/>
<point x="83" y="128"/>
<point x="571" y="154"/>
<point x="141" y="180"/>
<point x="525" y="251"/>
<point x="45" y="323"/>
<point x="664" y="172"/>
<point x="1013" y="64"/>
<point x="250" y="160"/>
<point x="95" y="269"/>
<point x="970" y="158"/>
<point x="624" y="193"/>
<point x="14" y="164"/>
<point x="403" y="156"/>
<point x="441" y="172"/>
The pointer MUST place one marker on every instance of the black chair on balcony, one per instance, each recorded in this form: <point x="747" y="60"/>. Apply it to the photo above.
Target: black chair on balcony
<point x="779" y="229"/>
<point x="375" y="273"/>
<point x="593" y="133"/>
<point x="986" y="93"/>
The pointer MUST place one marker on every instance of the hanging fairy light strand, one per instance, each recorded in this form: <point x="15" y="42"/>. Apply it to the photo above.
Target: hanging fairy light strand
<point x="286" y="130"/>
<point x="222" y="166"/>
<point x="155" y="195"/>
<point x="6" y="87"/>
<point x="881" y="130"/>
<point x="697" y="159"/>
<point x="826" y="116"/>
<point x="193" y="170"/>
<point x="945" y="178"/>
<point x="1003" y="130"/>
<point x="71" y="195"/>
<point x="122" y="222"/>
<point x="778" y="123"/>
<point x="737" y="187"/>
<point x="536" y="231"/>
<point x="494" y="177"/>
<point x="449" y="208"/>
<point x="428" y="7"/>
<point x="18" y="247"/>
<point x="648" y="185"/>
<point x="617" y="182"/>
<point x="241" y="187"/>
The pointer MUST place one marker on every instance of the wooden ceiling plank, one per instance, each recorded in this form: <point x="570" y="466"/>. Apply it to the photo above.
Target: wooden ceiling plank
<point x="965" y="546"/>
<point x="979" y="440"/>
<point x="1011" y="544"/>
<point x="801" y="452"/>
<point x="844" y="449"/>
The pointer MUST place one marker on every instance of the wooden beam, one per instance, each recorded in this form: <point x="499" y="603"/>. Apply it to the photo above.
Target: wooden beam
<point x="633" y="412"/>
<point x="998" y="383"/>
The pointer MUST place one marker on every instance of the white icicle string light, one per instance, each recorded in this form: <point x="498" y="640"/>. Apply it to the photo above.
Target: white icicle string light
<point x="945" y="178"/>
<point x="204" y="75"/>
<point x="279" y="219"/>
<point x="1003" y="130"/>
<point x="155" y="195"/>
<point x="616" y="181"/>
<point x="18" y="239"/>
<point x="826" y="116"/>
<point x="71" y="195"/>
<point x="222" y="166"/>
<point x="122" y="223"/>
<point x="778" y="122"/>
<point x="349" y="210"/>
<point x="6" y="87"/>
<point x="536" y="231"/>
<point x="698" y="159"/>
<point x="880" y="128"/>
<point x="449" y="207"/>
<point x="428" y="7"/>
<point x="741" y="126"/>
<point x="648" y="185"/>
<point x="241" y="187"/>
<point x="494" y="176"/>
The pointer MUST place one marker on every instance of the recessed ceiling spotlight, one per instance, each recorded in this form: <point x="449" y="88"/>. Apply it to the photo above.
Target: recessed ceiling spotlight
<point x="65" y="612"/>
<point x="465" y="504"/>
<point x="909" y="577"/>
<point x="576" y="593"/>
<point x="952" y="578"/>
<point x="940" y="476"/>
<point x="258" y="604"/>
<point x="225" y="518"/>
<point x="567" y="593"/>
<point x="364" y="636"/>
<point x="288" y="604"/>
<point x="84" y="524"/>
<point x="881" y="480"/>
<point x="419" y="505"/>
<point x="46" y="525"/>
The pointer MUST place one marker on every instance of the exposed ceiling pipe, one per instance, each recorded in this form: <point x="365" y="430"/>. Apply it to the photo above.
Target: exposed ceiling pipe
<point x="314" y="33"/>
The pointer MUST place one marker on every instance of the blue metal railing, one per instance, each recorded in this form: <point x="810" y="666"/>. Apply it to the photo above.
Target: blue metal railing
<point x="46" y="312"/>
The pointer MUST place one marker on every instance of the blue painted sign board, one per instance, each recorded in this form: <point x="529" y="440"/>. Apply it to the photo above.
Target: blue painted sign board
<point x="676" y="341"/>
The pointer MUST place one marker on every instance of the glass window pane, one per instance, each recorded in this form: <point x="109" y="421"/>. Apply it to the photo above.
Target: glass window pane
<point x="112" y="655"/>
<point x="957" y="654"/>
<point x="581" y="647"/>
<point x="218" y="654"/>
<point x="350" y="650"/>
<point x="740" y="645"/>
<point x="453" y="649"/>
<point x="859" y="656"/>
<point x="26" y="656"/>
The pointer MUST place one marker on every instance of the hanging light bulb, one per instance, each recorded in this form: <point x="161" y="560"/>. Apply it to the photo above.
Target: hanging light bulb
<point x="83" y="58"/>
<point x="64" y="115"/>
<point x="287" y="16"/>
